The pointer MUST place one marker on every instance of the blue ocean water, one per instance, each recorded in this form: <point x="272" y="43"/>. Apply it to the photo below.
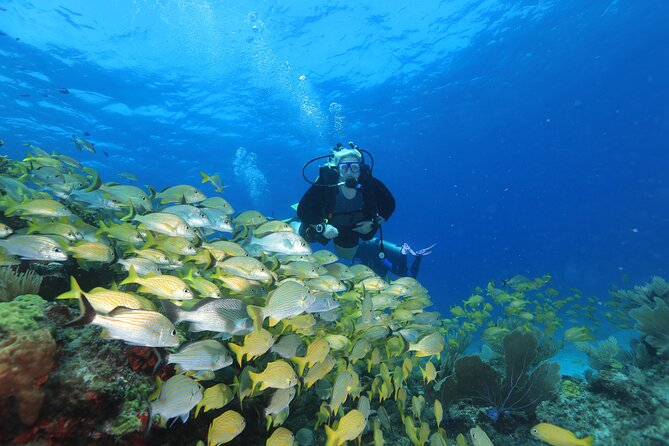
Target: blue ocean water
<point x="522" y="137"/>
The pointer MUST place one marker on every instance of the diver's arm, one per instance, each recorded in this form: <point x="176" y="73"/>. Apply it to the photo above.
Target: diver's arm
<point x="384" y="200"/>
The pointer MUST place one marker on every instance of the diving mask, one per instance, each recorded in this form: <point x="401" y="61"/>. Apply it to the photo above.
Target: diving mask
<point x="353" y="166"/>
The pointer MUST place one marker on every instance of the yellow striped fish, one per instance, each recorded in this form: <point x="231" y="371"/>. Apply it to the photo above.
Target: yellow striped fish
<point x="203" y="286"/>
<point x="319" y="371"/>
<point x="289" y="299"/>
<point x="41" y="207"/>
<point x="324" y="257"/>
<point x="221" y="249"/>
<point x="225" y="427"/>
<point x="218" y="203"/>
<point x="215" y="397"/>
<point x="429" y="345"/>
<point x="246" y="267"/>
<point x="174" y="245"/>
<point x="256" y="343"/>
<point x="250" y="218"/>
<point x="340" y="390"/>
<point x="316" y="352"/>
<point x="349" y="428"/>
<point x="104" y="301"/>
<point x="136" y="327"/>
<point x="278" y="375"/>
<point x="479" y="437"/>
<point x="281" y="437"/>
<point x="161" y="285"/>
<point x="340" y="271"/>
<point x="429" y="373"/>
<point x="168" y="224"/>
<point x="92" y="252"/>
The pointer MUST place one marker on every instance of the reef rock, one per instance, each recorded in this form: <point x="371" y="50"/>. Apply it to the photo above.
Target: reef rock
<point x="25" y="362"/>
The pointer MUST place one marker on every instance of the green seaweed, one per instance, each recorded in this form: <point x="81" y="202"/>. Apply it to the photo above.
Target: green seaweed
<point x="128" y="421"/>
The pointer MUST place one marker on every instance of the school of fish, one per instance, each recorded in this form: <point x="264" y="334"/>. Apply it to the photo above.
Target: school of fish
<point x="220" y="289"/>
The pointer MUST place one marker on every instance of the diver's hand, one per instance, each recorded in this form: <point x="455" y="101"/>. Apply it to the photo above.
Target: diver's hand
<point x="364" y="227"/>
<point x="330" y="232"/>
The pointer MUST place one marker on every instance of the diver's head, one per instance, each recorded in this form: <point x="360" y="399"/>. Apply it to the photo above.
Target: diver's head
<point x="348" y="163"/>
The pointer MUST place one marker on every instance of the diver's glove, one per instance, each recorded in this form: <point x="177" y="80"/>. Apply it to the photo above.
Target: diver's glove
<point x="330" y="232"/>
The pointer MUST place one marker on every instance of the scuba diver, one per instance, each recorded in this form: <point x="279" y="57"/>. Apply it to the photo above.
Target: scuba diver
<point x="346" y="203"/>
<point x="385" y="257"/>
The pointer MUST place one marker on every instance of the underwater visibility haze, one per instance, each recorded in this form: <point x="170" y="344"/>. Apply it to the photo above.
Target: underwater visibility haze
<point x="525" y="140"/>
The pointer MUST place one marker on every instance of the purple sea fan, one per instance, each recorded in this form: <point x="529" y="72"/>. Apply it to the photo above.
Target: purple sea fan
<point x="522" y="388"/>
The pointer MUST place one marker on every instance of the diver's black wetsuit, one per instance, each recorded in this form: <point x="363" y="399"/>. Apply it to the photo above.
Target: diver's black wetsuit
<point x="321" y="204"/>
<point x="393" y="261"/>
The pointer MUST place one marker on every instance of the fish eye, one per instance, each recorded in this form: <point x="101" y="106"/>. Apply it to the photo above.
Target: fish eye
<point x="57" y="250"/>
<point x="173" y="333"/>
<point x="534" y="431"/>
<point x="187" y="291"/>
<point x="143" y="198"/>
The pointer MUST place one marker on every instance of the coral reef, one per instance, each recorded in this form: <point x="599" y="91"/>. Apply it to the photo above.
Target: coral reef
<point x="520" y="390"/>
<point x="644" y="294"/>
<point x="25" y="362"/>
<point x="23" y="314"/>
<point x="625" y="407"/>
<point x="603" y="355"/>
<point x="648" y="305"/>
<point x="653" y="323"/>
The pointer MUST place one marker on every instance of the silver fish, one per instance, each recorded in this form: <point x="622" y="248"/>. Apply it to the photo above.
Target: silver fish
<point x="283" y="242"/>
<point x="208" y="354"/>
<point x="195" y="217"/>
<point x="142" y="266"/>
<point x="323" y="302"/>
<point x="219" y="220"/>
<point x="280" y="400"/>
<point x="288" y="346"/>
<point x="226" y="315"/>
<point x="178" y="396"/>
<point x="33" y="247"/>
